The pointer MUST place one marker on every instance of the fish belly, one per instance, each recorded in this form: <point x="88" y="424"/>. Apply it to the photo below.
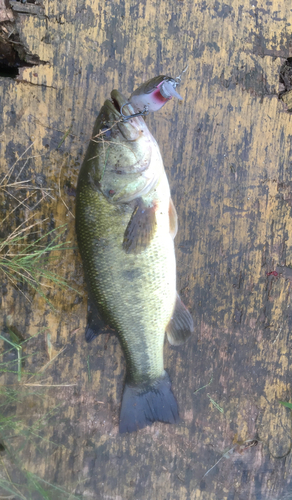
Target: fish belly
<point x="135" y="293"/>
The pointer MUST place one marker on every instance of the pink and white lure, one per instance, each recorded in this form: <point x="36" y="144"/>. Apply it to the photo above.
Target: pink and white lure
<point x="153" y="94"/>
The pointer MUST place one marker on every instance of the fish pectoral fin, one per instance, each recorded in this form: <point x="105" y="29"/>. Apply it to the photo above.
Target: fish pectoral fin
<point x="181" y="325"/>
<point x="95" y="325"/>
<point x="172" y="219"/>
<point x="141" y="228"/>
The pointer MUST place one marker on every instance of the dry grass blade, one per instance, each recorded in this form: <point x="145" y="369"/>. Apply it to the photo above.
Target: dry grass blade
<point x="110" y="143"/>
<point x="19" y="184"/>
<point x="4" y="468"/>
<point x="43" y="368"/>
<point x="104" y="131"/>
<point x="15" y="285"/>
<point x="20" y="202"/>
<point x="50" y="385"/>
<point x="9" y="173"/>
<point x="61" y="194"/>
<point x="20" y="260"/>
<point x="14" y="236"/>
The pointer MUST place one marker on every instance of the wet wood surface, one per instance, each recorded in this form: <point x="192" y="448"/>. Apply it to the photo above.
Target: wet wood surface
<point x="227" y="153"/>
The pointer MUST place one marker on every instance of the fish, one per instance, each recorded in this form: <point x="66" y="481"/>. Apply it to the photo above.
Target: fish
<point x="125" y="224"/>
<point x="154" y="94"/>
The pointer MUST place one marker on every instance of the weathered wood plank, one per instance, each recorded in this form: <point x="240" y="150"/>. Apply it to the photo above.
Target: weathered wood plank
<point x="227" y="151"/>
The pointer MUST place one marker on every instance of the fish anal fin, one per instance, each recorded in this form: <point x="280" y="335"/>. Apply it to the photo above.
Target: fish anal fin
<point x="181" y="325"/>
<point x="140" y="229"/>
<point x="173" y="225"/>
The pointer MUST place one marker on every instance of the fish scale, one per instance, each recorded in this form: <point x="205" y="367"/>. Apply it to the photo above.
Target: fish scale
<point x="151" y="297"/>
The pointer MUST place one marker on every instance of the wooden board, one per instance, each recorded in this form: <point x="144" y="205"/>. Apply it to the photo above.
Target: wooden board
<point x="227" y="152"/>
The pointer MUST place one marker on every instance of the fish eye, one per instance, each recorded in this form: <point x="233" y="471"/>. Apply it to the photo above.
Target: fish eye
<point x="106" y="131"/>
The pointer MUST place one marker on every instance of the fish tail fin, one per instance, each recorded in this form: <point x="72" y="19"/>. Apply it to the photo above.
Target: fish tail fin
<point x="143" y="405"/>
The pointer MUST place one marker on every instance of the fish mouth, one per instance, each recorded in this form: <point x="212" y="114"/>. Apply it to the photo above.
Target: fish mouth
<point x="113" y="106"/>
<point x="119" y="102"/>
<point x="117" y="110"/>
<point x="116" y="105"/>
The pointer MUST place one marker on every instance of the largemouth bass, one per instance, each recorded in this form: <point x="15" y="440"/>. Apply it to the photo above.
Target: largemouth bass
<point x="126" y="223"/>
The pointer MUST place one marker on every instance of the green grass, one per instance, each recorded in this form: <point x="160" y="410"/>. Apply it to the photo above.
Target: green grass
<point x="204" y="386"/>
<point x="17" y="345"/>
<point x="26" y="251"/>
<point x="288" y="405"/>
<point x="15" y="436"/>
<point x="19" y="434"/>
<point x="29" y="263"/>
<point x="28" y="255"/>
<point x="31" y="486"/>
<point x="88" y="370"/>
<point x="215" y="404"/>
<point x="19" y="353"/>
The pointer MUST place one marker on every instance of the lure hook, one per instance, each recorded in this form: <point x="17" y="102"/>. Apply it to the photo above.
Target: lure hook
<point x="128" y="117"/>
<point x="178" y="78"/>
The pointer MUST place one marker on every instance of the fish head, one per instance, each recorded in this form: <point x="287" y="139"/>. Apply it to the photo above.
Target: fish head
<point x="123" y="153"/>
<point x="154" y="93"/>
<point x="114" y="114"/>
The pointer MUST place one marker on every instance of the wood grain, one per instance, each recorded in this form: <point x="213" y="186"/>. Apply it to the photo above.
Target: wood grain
<point x="227" y="152"/>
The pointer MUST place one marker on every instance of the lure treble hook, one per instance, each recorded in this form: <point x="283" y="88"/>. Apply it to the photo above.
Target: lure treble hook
<point x="178" y="78"/>
<point x="128" y="117"/>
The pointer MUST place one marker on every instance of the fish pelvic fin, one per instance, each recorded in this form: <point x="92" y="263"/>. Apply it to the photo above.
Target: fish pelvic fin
<point x="181" y="325"/>
<point x="91" y="333"/>
<point x="143" y="405"/>
<point x="173" y="225"/>
<point x="140" y="229"/>
<point x="95" y="325"/>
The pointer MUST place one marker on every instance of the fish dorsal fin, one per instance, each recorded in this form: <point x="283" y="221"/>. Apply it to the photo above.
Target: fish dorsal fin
<point x="181" y="325"/>
<point x="140" y="229"/>
<point x="172" y="219"/>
